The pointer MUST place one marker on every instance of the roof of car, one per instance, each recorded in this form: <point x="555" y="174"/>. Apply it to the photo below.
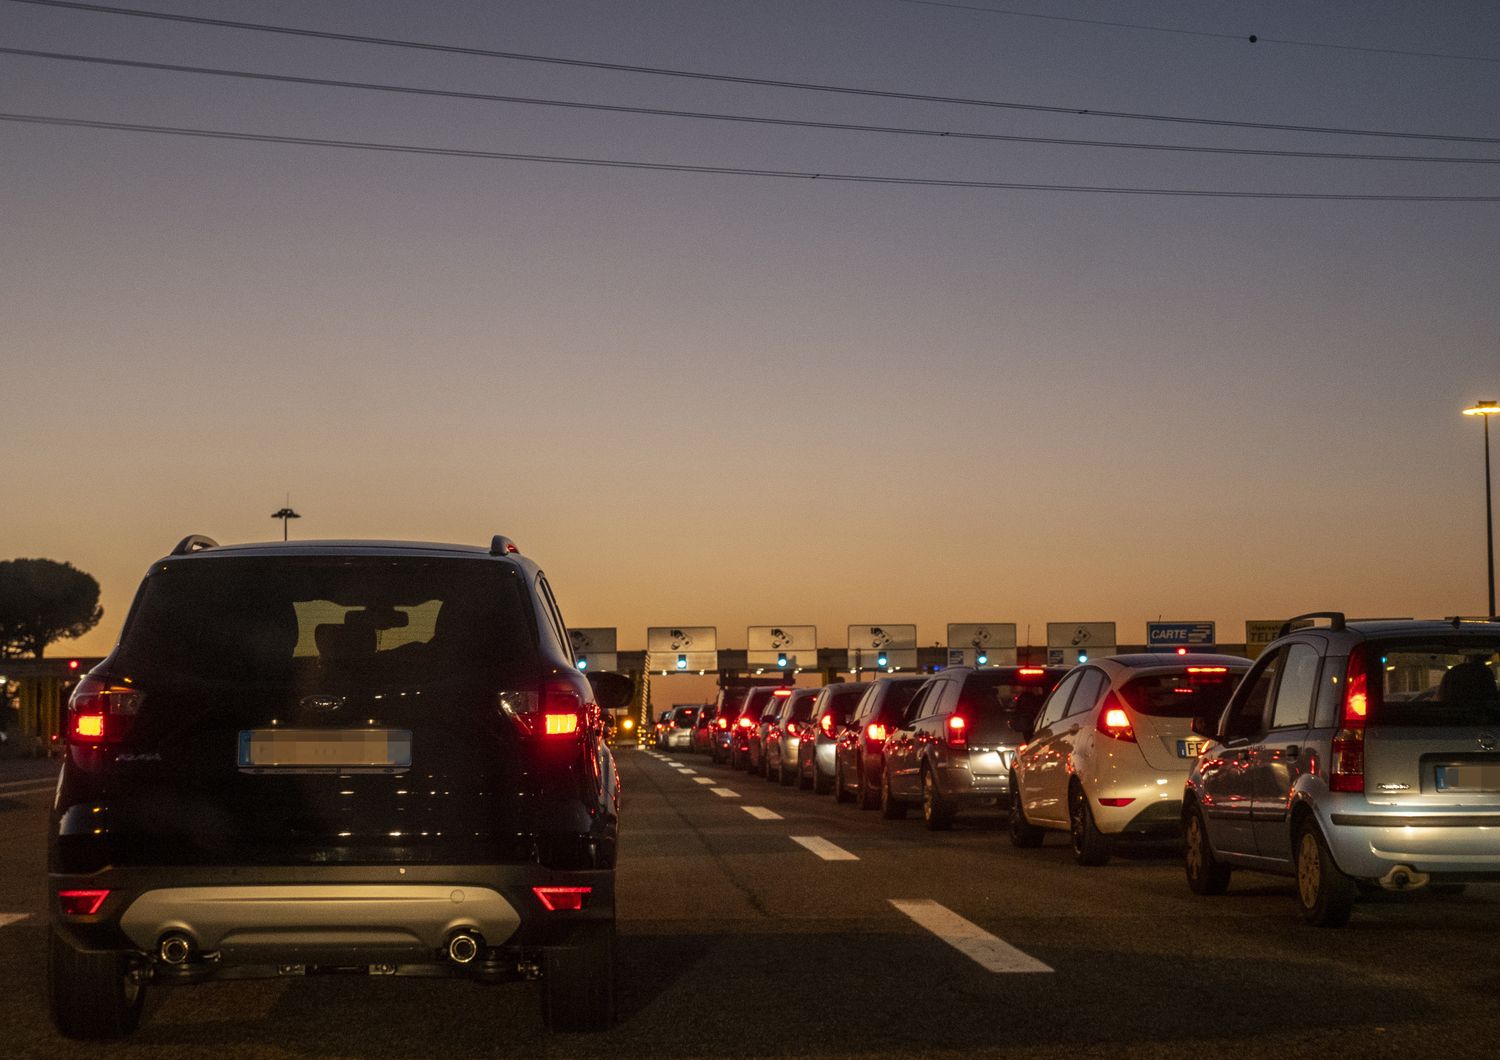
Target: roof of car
<point x="339" y="547"/>
<point x="1379" y="626"/>
<point x="1164" y="660"/>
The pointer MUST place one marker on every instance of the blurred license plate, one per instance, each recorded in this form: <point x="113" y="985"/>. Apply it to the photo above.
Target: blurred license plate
<point x="1469" y="777"/>
<point x="324" y="750"/>
<point x="1190" y="748"/>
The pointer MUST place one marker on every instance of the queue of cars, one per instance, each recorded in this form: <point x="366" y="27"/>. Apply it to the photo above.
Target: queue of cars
<point x="1353" y="756"/>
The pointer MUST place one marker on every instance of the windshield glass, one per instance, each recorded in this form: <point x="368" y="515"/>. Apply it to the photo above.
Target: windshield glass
<point x="331" y="622"/>
<point x="1438" y="684"/>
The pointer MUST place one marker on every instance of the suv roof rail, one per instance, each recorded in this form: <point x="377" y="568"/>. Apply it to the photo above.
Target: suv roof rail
<point x="194" y="543"/>
<point x="500" y="545"/>
<point x="1335" y="621"/>
<point x="1459" y="620"/>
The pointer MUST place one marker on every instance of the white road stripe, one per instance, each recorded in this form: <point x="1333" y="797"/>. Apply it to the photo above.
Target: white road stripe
<point x="11" y="918"/>
<point x="725" y="793"/>
<point x="686" y="771"/>
<point x="703" y="780"/>
<point x="762" y="813"/>
<point x="30" y="791"/>
<point x="824" y="849"/>
<point x="990" y="953"/>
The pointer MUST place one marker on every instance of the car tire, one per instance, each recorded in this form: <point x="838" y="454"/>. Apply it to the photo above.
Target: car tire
<point x="869" y="794"/>
<point x="806" y="775"/>
<point x="1324" y="894"/>
<point x="578" y="983"/>
<point x="1206" y="874"/>
<point x="1090" y="846"/>
<point x="821" y="785"/>
<point x="937" y="812"/>
<point x="840" y="783"/>
<point x="1023" y="833"/>
<point x="890" y="808"/>
<point x="93" y="995"/>
<point x="787" y="779"/>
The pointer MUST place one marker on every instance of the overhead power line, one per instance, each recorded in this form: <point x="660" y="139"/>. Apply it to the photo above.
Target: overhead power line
<point x="137" y="64"/>
<point x="1252" y="38"/>
<point x="739" y="171"/>
<point x="452" y="49"/>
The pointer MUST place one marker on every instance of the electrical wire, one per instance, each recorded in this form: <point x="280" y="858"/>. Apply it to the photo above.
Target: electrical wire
<point x="739" y="171"/>
<point x="1250" y="38"/>
<point x="138" y="64"/>
<point x="450" y="49"/>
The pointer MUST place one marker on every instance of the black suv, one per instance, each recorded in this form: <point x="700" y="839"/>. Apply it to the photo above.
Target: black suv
<point x="364" y="757"/>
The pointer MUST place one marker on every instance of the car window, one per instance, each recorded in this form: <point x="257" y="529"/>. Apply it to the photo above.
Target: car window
<point x="1091" y="686"/>
<point x="1434" y="683"/>
<point x="915" y="708"/>
<point x="1247" y="717"/>
<point x="1294" y="694"/>
<point x="898" y="697"/>
<point x="942" y="699"/>
<point x="1053" y="708"/>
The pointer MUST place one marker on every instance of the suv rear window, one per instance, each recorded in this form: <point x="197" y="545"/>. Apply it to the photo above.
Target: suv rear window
<point x="311" y="621"/>
<point x="1182" y="694"/>
<point x="992" y="695"/>
<point x="1437" y="684"/>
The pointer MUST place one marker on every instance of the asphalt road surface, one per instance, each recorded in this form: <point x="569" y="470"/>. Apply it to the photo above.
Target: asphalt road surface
<point x="759" y="920"/>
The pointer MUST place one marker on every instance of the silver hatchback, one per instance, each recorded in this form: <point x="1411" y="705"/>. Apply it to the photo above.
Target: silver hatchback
<point x="1354" y="755"/>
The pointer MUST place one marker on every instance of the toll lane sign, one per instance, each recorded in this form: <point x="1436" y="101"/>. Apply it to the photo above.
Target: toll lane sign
<point x="1169" y="636"/>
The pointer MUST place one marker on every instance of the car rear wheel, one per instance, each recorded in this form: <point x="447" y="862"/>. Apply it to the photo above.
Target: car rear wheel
<point x="578" y="983"/>
<point x="806" y="773"/>
<point x="821" y="785"/>
<point x="840" y="783"/>
<point x="937" y="812"/>
<point x="786" y="776"/>
<point x="1023" y="833"/>
<point x="869" y="794"/>
<point x="890" y="808"/>
<point x="1090" y="846"/>
<point x="93" y="995"/>
<point x="1325" y="895"/>
<point x="1206" y="874"/>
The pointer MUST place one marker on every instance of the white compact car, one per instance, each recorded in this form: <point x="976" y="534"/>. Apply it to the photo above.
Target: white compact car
<point x="1112" y="747"/>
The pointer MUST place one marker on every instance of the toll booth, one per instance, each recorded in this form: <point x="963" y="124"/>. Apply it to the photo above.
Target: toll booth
<point x="35" y="693"/>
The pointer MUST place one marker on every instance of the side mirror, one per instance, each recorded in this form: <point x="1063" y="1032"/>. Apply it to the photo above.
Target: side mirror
<point x="1206" y="727"/>
<point x="612" y="691"/>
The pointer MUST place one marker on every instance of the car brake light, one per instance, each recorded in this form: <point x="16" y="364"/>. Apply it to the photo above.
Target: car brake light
<point x="791" y="728"/>
<point x="782" y="692"/>
<point x="1347" y="771"/>
<point x="563" y="898"/>
<point x="723" y="723"/>
<point x="81" y="903"/>
<point x="1114" y="722"/>
<point x="100" y="712"/>
<point x="1208" y="669"/>
<point x="745" y="723"/>
<point x="1115" y="802"/>
<point x="1031" y="671"/>
<point x="826" y="723"/>
<point x="876" y="732"/>
<point x="958" y="735"/>
<point x="560" y="709"/>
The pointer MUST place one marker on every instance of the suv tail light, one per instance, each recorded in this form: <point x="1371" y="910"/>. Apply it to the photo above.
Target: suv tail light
<point x="875" y="732"/>
<point x="745" y="722"/>
<point x="723" y="722"/>
<point x="958" y="734"/>
<point x="81" y="903"/>
<point x="101" y="712"/>
<point x="791" y="728"/>
<point x="561" y="898"/>
<point x="561" y="708"/>
<point x="1114" y="722"/>
<point x="826" y="723"/>
<point x="1347" y="770"/>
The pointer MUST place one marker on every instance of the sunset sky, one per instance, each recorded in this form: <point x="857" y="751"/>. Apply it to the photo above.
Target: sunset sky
<point x="734" y="400"/>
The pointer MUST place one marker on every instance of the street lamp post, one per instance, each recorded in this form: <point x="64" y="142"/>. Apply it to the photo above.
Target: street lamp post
<point x="285" y="514"/>
<point x="1484" y="410"/>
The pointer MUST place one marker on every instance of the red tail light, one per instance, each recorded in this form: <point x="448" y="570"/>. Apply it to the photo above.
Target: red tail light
<point x="826" y="723"/>
<point x="1115" y="802"/>
<point x="782" y="692"/>
<point x="561" y="709"/>
<point x="1031" y="671"/>
<point x="1347" y="770"/>
<point x="563" y="898"/>
<point x="1208" y="669"/>
<point x="1114" y="722"/>
<point x="100" y="712"/>
<point x="875" y="732"/>
<point x="791" y="728"/>
<point x="745" y="722"/>
<point x="723" y="723"/>
<point x="958" y="734"/>
<point x="81" y="903"/>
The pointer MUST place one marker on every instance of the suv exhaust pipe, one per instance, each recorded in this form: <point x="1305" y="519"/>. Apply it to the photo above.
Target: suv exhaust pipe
<point x="1404" y="878"/>
<point x="174" y="948"/>
<point x="464" y="946"/>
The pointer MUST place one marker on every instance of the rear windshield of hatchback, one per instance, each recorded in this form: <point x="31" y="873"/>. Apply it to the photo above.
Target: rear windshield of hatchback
<point x="1183" y="694"/>
<point x="317" y="622"/>
<point x="998" y="693"/>
<point x="1437" y="683"/>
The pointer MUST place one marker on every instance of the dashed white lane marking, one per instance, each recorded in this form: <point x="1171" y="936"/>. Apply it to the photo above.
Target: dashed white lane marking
<point x="824" y="849"/>
<point x="686" y="771"/>
<point x="52" y="786"/>
<point x="990" y="953"/>
<point x="7" y="919"/>
<point x="762" y="813"/>
<point x="704" y="780"/>
<point x="725" y="793"/>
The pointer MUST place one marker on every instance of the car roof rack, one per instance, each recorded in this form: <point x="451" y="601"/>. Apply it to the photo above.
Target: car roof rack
<point x="1458" y="620"/>
<point x="500" y="545"/>
<point x="194" y="543"/>
<point x="1335" y="621"/>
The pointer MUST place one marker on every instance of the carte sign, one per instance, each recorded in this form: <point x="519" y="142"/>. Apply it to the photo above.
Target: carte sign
<point x="782" y="647"/>
<point x="682" y="649"/>
<point x="1169" y="636"/>
<point x="982" y="644"/>
<point x="884" y="647"/>
<point x="594" y="648"/>
<point x="1075" y="642"/>
<point x="1259" y="633"/>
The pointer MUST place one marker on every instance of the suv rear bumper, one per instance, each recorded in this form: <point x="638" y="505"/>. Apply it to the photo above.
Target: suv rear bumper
<point x="328" y="915"/>
<point x="1369" y="844"/>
